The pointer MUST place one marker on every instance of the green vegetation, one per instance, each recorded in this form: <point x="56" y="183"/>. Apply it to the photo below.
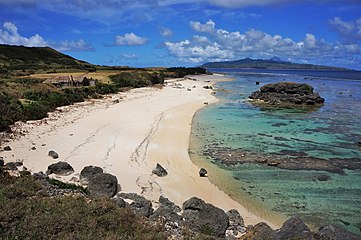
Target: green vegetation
<point x="27" y="213"/>
<point x="136" y="79"/>
<point x="180" y="72"/>
<point x="25" y="98"/>
<point x="267" y="64"/>
<point x="22" y="61"/>
<point x="63" y="185"/>
<point x="29" y="99"/>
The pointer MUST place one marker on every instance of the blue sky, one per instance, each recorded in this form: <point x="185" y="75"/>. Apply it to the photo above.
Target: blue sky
<point x="188" y="33"/>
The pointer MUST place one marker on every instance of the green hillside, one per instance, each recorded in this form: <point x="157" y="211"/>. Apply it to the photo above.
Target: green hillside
<point x="267" y="64"/>
<point x="20" y="60"/>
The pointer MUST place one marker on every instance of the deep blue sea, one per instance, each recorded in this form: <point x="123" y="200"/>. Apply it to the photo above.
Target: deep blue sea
<point x="331" y="131"/>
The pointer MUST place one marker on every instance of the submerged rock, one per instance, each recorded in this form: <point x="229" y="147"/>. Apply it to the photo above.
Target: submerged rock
<point x="204" y="217"/>
<point x="287" y="94"/>
<point x="60" y="168"/>
<point x="160" y="171"/>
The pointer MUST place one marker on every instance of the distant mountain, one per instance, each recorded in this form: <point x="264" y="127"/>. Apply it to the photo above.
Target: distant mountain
<point x="273" y="63"/>
<point x="19" y="59"/>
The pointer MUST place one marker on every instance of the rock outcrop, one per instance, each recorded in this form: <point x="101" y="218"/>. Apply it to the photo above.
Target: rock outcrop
<point x="60" y="168"/>
<point x="260" y="231"/>
<point x="204" y="217"/>
<point x="89" y="172"/>
<point x="236" y="224"/>
<point x="168" y="212"/>
<point x="160" y="171"/>
<point x="287" y="94"/>
<point x="103" y="184"/>
<point x="294" y="228"/>
<point x="139" y="204"/>
<point x="334" y="232"/>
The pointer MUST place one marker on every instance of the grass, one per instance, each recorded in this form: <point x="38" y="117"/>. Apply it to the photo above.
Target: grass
<point x="26" y="214"/>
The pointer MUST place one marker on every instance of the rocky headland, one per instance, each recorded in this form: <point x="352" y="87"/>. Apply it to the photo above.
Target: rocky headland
<point x="287" y="94"/>
<point x="195" y="218"/>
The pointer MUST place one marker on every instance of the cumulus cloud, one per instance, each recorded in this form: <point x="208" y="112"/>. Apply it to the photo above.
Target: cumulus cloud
<point x="208" y="27"/>
<point x="10" y="35"/>
<point x="350" y="30"/>
<point x="220" y="44"/>
<point x="130" y="39"/>
<point x="79" y="45"/>
<point x="165" y="32"/>
<point x="129" y="56"/>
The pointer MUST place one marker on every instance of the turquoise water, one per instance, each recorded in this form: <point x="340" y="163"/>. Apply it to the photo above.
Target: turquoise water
<point x="331" y="131"/>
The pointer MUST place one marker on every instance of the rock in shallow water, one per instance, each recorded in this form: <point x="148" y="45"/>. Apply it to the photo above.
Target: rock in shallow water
<point x="287" y="94"/>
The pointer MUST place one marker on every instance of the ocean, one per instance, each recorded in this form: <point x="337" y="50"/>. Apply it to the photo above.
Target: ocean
<point x="329" y="132"/>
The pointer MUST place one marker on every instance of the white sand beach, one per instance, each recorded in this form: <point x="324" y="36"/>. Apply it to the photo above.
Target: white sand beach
<point x="127" y="134"/>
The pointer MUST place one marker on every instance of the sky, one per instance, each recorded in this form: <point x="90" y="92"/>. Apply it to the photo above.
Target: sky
<point x="188" y="32"/>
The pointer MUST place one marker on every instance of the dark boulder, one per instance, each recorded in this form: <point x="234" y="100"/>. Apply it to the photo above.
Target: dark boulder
<point x="60" y="168"/>
<point x="203" y="172"/>
<point x="53" y="154"/>
<point x="294" y="228"/>
<point x="10" y="166"/>
<point x="40" y="175"/>
<point x="261" y="231"/>
<point x="103" y="184"/>
<point x="159" y="171"/>
<point x="1" y="161"/>
<point x="139" y="204"/>
<point x="167" y="211"/>
<point x="119" y="201"/>
<point x="334" y="232"/>
<point x="204" y="217"/>
<point x="89" y="172"/>
<point x="7" y="148"/>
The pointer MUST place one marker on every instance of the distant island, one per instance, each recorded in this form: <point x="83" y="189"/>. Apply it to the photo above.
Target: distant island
<point x="273" y="63"/>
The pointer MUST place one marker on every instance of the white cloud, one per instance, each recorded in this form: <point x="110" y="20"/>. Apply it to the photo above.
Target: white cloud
<point x="79" y="45"/>
<point x="9" y="35"/>
<point x="165" y="32"/>
<point x="220" y="44"/>
<point x="350" y="30"/>
<point x="129" y="56"/>
<point x="208" y="27"/>
<point x="130" y="39"/>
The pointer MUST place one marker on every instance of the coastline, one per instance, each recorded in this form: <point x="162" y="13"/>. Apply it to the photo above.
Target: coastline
<point x="127" y="134"/>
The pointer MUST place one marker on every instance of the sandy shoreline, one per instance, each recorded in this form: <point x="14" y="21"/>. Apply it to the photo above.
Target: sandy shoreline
<point x="127" y="134"/>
